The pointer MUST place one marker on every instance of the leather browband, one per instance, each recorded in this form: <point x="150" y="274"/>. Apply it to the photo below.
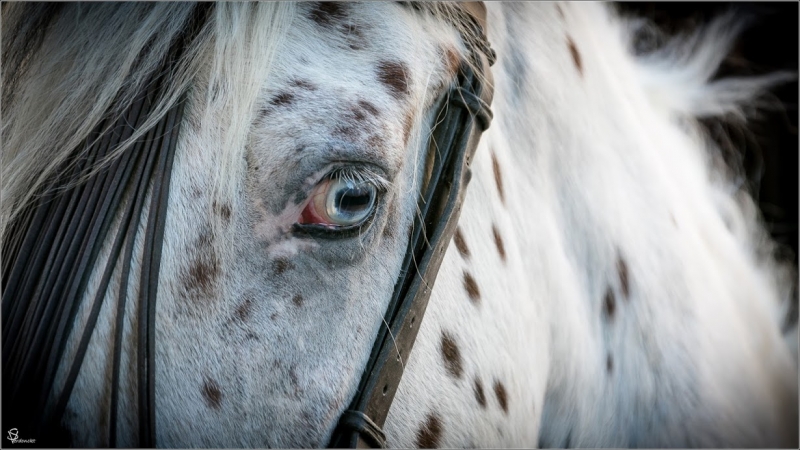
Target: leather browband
<point x="462" y="117"/>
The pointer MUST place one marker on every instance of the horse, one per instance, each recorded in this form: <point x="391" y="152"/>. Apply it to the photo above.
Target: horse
<point x="607" y="285"/>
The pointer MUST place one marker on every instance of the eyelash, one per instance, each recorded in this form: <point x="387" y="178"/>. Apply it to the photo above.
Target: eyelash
<point x="359" y="174"/>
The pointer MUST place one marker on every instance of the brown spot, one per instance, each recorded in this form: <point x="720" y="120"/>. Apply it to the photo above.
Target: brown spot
<point x="479" y="395"/>
<point x="376" y="141"/>
<point x="408" y="123"/>
<point x="502" y="395"/>
<point x="348" y="130"/>
<point x="394" y="76"/>
<point x="472" y="288"/>
<point x="451" y="355"/>
<point x="609" y="363"/>
<point x="354" y="36"/>
<point x="212" y="393"/>
<point x="281" y="265"/>
<point x="263" y="113"/>
<point x="244" y="310"/>
<point x="430" y="432"/>
<point x="622" y="270"/>
<point x="368" y="107"/>
<point x="298" y="300"/>
<point x="498" y="242"/>
<point x="223" y="210"/>
<point x="273" y="316"/>
<point x="250" y="336"/>
<point x="498" y="178"/>
<point x="325" y="13"/>
<point x="576" y="57"/>
<point x="357" y="113"/>
<point x="461" y="244"/>
<point x="303" y="84"/>
<point x="293" y="378"/>
<point x="559" y="11"/>
<point x="451" y="59"/>
<point x="284" y="98"/>
<point x="609" y="304"/>
<point x="202" y="275"/>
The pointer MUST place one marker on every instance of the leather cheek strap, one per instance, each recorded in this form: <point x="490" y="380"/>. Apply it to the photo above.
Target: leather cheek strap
<point x="462" y="117"/>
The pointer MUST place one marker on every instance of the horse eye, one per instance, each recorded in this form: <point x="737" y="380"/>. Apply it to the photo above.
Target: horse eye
<point x="340" y="202"/>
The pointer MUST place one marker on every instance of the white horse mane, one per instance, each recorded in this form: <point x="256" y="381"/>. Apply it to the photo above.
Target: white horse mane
<point x="678" y="78"/>
<point x="94" y="73"/>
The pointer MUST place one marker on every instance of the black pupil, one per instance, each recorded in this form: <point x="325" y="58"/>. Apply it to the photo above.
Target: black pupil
<point x="353" y="200"/>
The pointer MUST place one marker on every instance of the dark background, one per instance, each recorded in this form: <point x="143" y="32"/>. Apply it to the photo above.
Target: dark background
<point x="769" y="155"/>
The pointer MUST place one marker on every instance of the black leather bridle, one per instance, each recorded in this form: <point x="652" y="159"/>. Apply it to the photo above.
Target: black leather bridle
<point x="53" y="246"/>
<point x="464" y="114"/>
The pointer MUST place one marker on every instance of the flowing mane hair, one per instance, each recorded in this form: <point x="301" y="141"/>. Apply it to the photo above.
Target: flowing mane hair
<point x="63" y="78"/>
<point x="679" y="75"/>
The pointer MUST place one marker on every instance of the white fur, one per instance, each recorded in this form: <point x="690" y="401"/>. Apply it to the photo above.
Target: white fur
<point x="597" y="166"/>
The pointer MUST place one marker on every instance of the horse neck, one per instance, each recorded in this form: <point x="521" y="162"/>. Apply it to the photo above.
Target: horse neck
<point x="633" y="234"/>
<point x="593" y="252"/>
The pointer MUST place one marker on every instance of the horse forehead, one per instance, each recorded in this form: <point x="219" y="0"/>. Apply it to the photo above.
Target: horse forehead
<point x="354" y="48"/>
<point x="349" y="79"/>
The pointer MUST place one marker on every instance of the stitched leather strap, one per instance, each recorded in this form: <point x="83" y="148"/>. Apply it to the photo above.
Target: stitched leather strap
<point x="54" y="248"/>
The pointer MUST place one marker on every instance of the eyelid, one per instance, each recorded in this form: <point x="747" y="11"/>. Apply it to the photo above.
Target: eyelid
<point x="323" y="232"/>
<point x="358" y="174"/>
